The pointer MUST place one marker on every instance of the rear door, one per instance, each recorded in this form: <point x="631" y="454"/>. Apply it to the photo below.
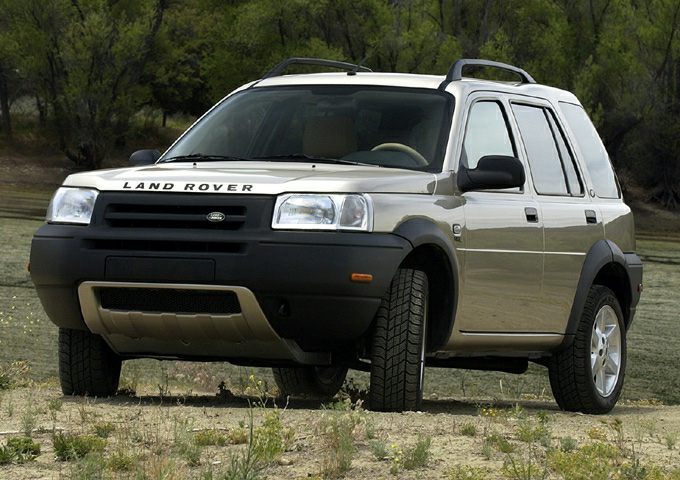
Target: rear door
<point x="570" y="221"/>
<point x="503" y="234"/>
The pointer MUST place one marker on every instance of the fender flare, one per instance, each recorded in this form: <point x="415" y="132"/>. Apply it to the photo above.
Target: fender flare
<point x="602" y="253"/>
<point x="420" y="231"/>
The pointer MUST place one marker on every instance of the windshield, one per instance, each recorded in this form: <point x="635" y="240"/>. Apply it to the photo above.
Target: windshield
<point x="381" y="126"/>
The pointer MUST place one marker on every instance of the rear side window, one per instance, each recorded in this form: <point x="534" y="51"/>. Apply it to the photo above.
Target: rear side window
<point x="486" y="133"/>
<point x="544" y="158"/>
<point x="593" y="151"/>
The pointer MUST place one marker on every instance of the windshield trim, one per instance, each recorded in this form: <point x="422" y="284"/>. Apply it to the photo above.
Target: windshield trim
<point x="442" y="143"/>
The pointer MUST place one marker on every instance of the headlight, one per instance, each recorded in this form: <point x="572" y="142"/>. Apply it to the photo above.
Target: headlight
<point x="323" y="212"/>
<point x="72" y="205"/>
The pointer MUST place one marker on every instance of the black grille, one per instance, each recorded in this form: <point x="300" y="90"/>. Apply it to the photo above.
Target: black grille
<point x="182" y="212"/>
<point x="163" y="300"/>
<point x="174" y="216"/>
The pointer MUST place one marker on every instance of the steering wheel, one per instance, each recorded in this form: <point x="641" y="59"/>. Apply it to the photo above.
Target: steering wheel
<point x="400" y="147"/>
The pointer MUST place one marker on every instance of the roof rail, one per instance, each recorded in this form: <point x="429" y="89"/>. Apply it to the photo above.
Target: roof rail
<point x="456" y="70"/>
<point x="321" y="62"/>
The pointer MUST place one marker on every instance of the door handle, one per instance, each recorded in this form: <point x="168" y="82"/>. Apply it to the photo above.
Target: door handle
<point x="591" y="216"/>
<point x="532" y="214"/>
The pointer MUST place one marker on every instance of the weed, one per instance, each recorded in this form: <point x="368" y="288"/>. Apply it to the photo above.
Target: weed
<point x="19" y="450"/>
<point x="526" y="467"/>
<point x="205" y="438"/>
<point x="90" y="467"/>
<point x="337" y="433"/>
<point x="9" y="408"/>
<point x="238" y="436"/>
<point x="369" y="429"/>
<point x="103" y="429"/>
<point x="55" y="404"/>
<point x="418" y="455"/>
<point x="379" y="449"/>
<point x="487" y="450"/>
<point x="568" y="444"/>
<point x="271" y="438"/>
<point x="619" y="438"/>
<point x="121" y="461"/>
<point x="670" y="439"/>
<point x="24" y="448"/>
<point x="6" y="455"/>
<point x="73" y="447"/>
<point x="595" y="461"/>
<point x="499" y="442"/>
<point x="397" y="456"/>
<point x="468" y="429"/>
<point x="464" y="472"/>
<point x="14" y="375"/>
<point x="597" y="433"/>
<point x="491" y="412"/>
<point x="184" y="444"/>
<point x="29" y="420"/>
<point x="529" y="431"/>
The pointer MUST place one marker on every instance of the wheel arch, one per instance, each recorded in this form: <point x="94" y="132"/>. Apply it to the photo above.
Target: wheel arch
<point x="605" y="264"/>
<point x="434" y="253"/>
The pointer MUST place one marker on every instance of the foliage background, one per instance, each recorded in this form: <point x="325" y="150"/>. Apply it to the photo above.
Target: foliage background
<point x="91" y="66"/>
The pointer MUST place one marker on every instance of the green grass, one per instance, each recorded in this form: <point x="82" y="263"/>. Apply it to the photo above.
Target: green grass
<point x="27" y="334"/>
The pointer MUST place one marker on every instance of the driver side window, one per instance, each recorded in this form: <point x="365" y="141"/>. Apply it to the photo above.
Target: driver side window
<point x="486" y="133"/>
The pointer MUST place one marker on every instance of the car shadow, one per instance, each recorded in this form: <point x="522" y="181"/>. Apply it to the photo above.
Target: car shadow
<point x="430" y="406"/>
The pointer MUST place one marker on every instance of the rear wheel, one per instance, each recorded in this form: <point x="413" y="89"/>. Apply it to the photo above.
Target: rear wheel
<point x="398" y="346"/>
<point x="588" y="375"/>
<point x="317" y="382"/>
<point x="87" y="366"/>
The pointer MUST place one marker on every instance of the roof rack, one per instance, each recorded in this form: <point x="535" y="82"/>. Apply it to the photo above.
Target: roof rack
<point x="456" y="70"/>
<point x="321" y="62"/>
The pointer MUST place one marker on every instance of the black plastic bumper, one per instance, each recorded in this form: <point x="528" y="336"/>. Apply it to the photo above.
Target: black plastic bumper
<point x="301" y="279"/>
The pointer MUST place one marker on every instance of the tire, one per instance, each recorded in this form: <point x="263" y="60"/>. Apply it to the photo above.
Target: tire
<point x="398" y="344"/>
<point x="315" y="382"/>
<point x="87" y="366"/>
<point x="577" y="385"/>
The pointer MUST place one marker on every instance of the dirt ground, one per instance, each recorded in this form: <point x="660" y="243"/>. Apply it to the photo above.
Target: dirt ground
<point x="146" y="425"/>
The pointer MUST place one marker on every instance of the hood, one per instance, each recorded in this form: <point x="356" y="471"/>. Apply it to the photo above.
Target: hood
<point x="260" y="178"/>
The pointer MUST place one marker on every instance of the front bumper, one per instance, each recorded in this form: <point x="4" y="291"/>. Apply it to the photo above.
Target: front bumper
<point x="300" y="280"/>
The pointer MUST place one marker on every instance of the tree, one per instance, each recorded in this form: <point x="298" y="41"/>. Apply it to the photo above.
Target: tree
<point x="88" y="59"/>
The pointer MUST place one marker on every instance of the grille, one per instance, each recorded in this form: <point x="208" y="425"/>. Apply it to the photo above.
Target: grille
<point x="174" y="216"/>
<point x="163" y="300"/>
<point x="182" y="212"/>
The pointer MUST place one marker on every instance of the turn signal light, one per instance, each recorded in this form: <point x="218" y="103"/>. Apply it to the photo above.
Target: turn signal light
<point x="362" y="277"/>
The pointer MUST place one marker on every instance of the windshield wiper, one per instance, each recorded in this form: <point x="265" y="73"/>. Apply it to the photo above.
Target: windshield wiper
<point x="303" y="157"/>
<point x="201" y="157"/>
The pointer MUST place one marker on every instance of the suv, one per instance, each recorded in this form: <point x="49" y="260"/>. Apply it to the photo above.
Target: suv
<point x="377" y="221"/>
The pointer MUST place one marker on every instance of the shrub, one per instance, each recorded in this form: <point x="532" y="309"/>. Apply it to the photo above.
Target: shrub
<point x="468" y="429"/>
<point x="103" y="429"/>
<point x="205" y="438"/>
<point x="418" y="455"/>
<point x="73" y="447"/>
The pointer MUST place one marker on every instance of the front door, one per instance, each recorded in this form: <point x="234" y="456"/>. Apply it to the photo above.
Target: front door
<point x="502" y="240"/>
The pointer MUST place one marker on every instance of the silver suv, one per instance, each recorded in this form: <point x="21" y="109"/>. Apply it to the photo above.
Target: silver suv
<point x="376" y="221"/>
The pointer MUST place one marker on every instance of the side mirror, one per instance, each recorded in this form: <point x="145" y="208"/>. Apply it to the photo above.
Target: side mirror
<point x="144" y="157"/>
<point x="493" y="172"/>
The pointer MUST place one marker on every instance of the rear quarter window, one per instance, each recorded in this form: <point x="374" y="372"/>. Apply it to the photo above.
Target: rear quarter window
<point x="592" y="150"/>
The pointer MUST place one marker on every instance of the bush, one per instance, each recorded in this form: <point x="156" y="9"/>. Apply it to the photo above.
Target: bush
<point x="19" y="450"/>
<point x="205" y="438"/>
<point x="73" y="447"/>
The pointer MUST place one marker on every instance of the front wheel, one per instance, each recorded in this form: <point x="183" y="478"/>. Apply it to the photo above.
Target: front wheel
<point x="588" y="375"/>
<point x="398" y="346"/>
<point x="87" y="366"/>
